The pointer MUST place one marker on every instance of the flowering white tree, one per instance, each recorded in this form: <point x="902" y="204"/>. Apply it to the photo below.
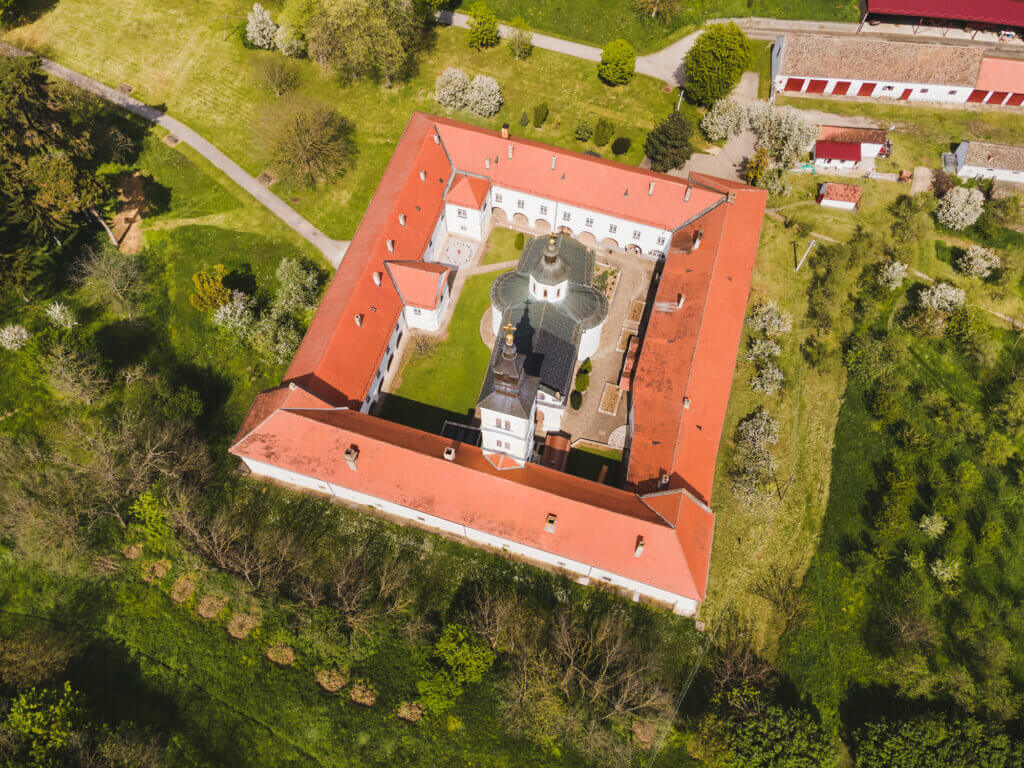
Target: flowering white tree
<point x="785" y="133"/>
<point x="297" y="286"/>
<point x="960" y="207"/>
<point x="236" y="317"/>
<point x="260" y="28"/>
<point x="761" y="350"/>
<point x="275" y="338"/>
<point x="767" y="380"/>
<point x="484" y="96"/>
<point x="942" y="297"/>
<point x="60" y="315"/>
<point x="769" y="318"/>
<point x="978" y="261"/>
<point x="726" y="118"/>
<point x="946" y="569"/>
<point x="13" y="337"/>
<point x="451" y="89"/>
<point x="933" y="526"/>
<point x="891" y="274"/>
<point x="289" y="42"/>
<point x="758" y="432"/>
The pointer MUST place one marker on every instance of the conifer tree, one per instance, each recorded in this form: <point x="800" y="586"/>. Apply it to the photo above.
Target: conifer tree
<point x="668" y="145"/>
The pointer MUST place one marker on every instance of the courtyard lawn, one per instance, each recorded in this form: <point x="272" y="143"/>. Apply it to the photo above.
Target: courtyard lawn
<point x="444" y="381"/>
<point x="761" y="63"/>
<point x="175" y="55"/>
<point x="501" y="246"/>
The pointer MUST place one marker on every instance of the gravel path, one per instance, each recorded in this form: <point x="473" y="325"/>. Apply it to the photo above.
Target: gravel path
<point x="333" y="250"/>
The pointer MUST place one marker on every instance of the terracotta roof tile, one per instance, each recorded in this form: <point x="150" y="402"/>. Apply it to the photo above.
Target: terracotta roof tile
<point x="419" y="284"/>
<point x="468" y="191"/>
<point x="852" y="134"/>
<point x="1002" y="156"/>
<point x="1002" y="74"/>
<point x="843" y="193"/>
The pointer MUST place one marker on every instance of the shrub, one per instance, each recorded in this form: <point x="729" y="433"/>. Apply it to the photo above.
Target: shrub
<point x="868" y="360"/>
<point x="235" y="317"/>
<point x="13" y="337"/>
<point x="603" y="132"/>
<point x="583" y="131"/>
<point x="278" y="75"/>
<point x="715" y="63"/>
<point x="960" y="207"/>
<point x="977" y="261"/>
<point x="540" y="114"/>
<point x="586" y="366"/>
<point x="576" y="400"/>
<point x="784" y="133"/>
<point x="210" y="291"/>
<point x="289" y="42"/>
<point x="520" y="40"/>
<point x="582" y="381"/>
<point x="260" y="30"/>
<point x="483" y="26"/>
<point x="891" y="274"/>
<point x="757" y="432"/>
<point x="275" y="338"/>
<point x="618" y="63"/>
<point x="761" y="350"/>
<point x="668" y="145"/>
<point x="60" y="315"/>
<point x="524" y="119"/>
<point x="621" y="145"/>
<point x="451" y="89"/>
<point x="484" y="96"/>
<point x="942" y="297"/>
<point x="941" y="183"/>
<point x="519" y="241"/>
<point x="769" y="318"/>
<point x="767" y="380"/>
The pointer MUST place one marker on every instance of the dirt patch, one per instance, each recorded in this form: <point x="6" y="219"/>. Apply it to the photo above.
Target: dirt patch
<point x="211" y="606"/>
<point x="105" y="565"/>
<point x="241" y="624"/>
<point x="363" y="694"/>
<point x="156" y="570"/>
<point x="171" y="140"/>
<point x="609" y="399"/>
<point x="266" y="178"/>
<point x="182" y="589"/>
<point x="126" y="89"/>
<point x="332" y="680"/>
<point x="127" y="225"/>
<point x="281" y="654"/>
<point x="644" y="733"/>
<point x="132" y="552"/>
<point x="636" y="311"/>
<point x="410" y="711"/>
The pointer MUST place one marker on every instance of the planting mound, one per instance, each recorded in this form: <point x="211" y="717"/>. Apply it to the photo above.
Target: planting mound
<point x="363" y="694"/>
<point x="210" y="606"/>
<point x="182" y="589"/>
<point x="281" y="654"/>
<point x="242" y="624"/>
<point x="332" y="680"/>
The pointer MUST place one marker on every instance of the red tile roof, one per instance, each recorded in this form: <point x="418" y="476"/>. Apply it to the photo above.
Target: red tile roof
<point x="468" y="191"/>
<point x="419" y="283"/>
<point x="837" y="150"/>
<point x="688" y="353"/>
<point x="842" y="193"/>
<point x="1002" y="74"/>
<point x="851" y="133"/>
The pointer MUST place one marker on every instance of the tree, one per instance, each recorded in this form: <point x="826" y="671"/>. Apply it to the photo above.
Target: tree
<point x="309" y="143"/>
<point x="278" y="75"/>
<point x="999" y="213"/>
<point x="209" y="291"/>
<point x="260" y="28"/>
<point x="483" y="26"/>
<point x="484" y="96"/>
<point x="236" y="318"/>
<point x="960" y="207"/>
<point x="34" y="656"/>
<point x="603" y="132"/>
<point x="725" y="119"/>
<point x="451" y="88"/>
<point x="289" y="42"/>
<point x="977" y="261"/>
<point x="891" y="274"/>
<point x="942" y="297"/>
<point x="113" y="278"/>
<point x="768" y="379"/>
<point x="715" y="63"/>
<point x="60" y="315"/>
<point x="934" y="741"/>
<point x="621" y="145"/>
<point x="520" y="39"/>
<point x="540" y="114"/>
<point x="583" y="131"/>
<point x="769" y="318"/>
<point x="668" y="145"/>
<point x="656" y="8"/>
<point x="618" y="62"/>
<point x="43" y="723"/>
<point x="867" y="360"/>
<point x="758" y="169"/>
<point x="296" y="286"/>
<point x="13" y="337"/>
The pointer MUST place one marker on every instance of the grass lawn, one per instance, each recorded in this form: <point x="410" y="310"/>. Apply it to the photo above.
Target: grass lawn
<point x="174" y="54"/>
<point x="588" y="462"/>
<point x="445" y="382"/>
<point x="501" y="246"/>
<point x="761" y="63"/>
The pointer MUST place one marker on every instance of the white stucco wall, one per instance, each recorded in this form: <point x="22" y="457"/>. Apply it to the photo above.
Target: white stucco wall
<point x="552" y="413"/>
<point x="470" y="223"/>
<point x="386" y="361"/>
<point x="428" y="319"/>
<point x="515" y="439"/>
<point x="584" y="572"/>
<point x="979" y="172"/>
<point x="838" y="204"/>
<point x="436" y="240"/>
<point x="589" y="342"/>
<point x="891" y="89"/>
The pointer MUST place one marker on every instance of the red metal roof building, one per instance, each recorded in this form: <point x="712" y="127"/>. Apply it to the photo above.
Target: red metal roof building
<point x="998" y="13"/>
<point x="651" y="538"/>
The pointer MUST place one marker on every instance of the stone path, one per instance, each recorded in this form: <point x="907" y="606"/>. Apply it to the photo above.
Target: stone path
<point x="333" y="250"/>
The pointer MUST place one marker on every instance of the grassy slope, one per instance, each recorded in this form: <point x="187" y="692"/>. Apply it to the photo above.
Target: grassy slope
<point x="174" y="54"/>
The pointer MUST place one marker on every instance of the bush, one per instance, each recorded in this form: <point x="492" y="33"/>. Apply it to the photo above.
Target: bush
<point x="576" y="400"/>
<point x="519" y="241"/>
<point x="540" y="114"/>
<point x="960" y="207"/>
<point x="210" y="291"/>
<point x="582" y="381"/>
<point x="235" y="318"/>
<point x="761" y="350"/>
<point x="520" y="40"/>
<point x="60" y="315"/>
<point x="942" y="297"/>
<point x="297" y="286"/>
<point x="278" y="75"/>
<point x="13" y="337"/>
<point x="260" y="30"/>
<point x="483" y="26"/>
<point x="715" y="63"/>
<point x="603" y="132"/>
<point x="725" y="119"/>
<point x="769" y="318"/>
<point x="451" y="89"/>
<point x="618" y="63"/>
<point x="767" y="380"/>
<point x="586" y="366"/>
<point x="583" y="131"/>
<point x="621" y="145"/>
<point x="524" y="119"/>
<point x="668" y="145"/>
<point x="484" y="96"/>
<point x="977" y="261"/>
<point x="891" y="274"/>
<point x="289" y="42"/>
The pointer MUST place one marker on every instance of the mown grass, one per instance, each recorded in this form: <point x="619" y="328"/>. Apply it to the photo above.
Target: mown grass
<point x="175" y="55"/>
<point x="501" y="246"/>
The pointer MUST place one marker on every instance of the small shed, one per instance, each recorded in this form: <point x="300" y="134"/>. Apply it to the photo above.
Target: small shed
<point x="843" y="196"/>
<point x="843" y="147"/>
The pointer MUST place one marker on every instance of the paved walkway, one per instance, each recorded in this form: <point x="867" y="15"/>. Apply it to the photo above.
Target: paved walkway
<point x="333" y="250"/>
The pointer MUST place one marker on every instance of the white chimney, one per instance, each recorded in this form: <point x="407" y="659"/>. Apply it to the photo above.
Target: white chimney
<point x="663" y="480"/>
<point x="696" y="239"/>
<point x="650" y="189"/>
<point x="551" y="522"/>
<point x="487" y="162"/>
<point x="679" y="300"/>
<point x="423" y="175"/>
<point x="352" y="457"/>
<point x="509" y="151"/>
<point x="639" y="549"/>
<point x="377" y="278"/>
<point x="686" y="194"/>
<point x="359" y="320"/>
<point x="391" y="245"/>
<point x="449" y="453"/>
<point x="401" y="219"/>
<point x="437" y="139"/>
<point x="554" y="159"/>
<point x="686" y="403"/>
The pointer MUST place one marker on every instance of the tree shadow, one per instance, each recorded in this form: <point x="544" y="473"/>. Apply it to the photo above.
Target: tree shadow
<point x="125" y="342"/>
<point x="241" y="279"/>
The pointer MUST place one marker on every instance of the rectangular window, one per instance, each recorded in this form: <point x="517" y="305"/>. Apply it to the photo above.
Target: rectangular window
<point x="462" y="213"/>
<point x="508" y="425"/>
<point x="497" y="197"/>
<point x="520" y="203"/>
<point x="590" y="222"/>
<point x="661" y="241"/>
<point x="543" y="209"/>
<point x="951" y="93"/>
<point x="565" y="216"/>
<point x="497" y="422"/>
<point x="924" y="90"/>
<point x="636" y="234"/>
<point x="613" y="228"/>
<point x="416" y="311"/>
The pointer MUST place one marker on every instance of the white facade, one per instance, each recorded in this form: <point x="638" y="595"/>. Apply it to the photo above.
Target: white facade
<point x="583" y="572"/>
<point x="501" y="433"/>
<point x="386" y="361"/>
<point x="428" y="319"/>
<point x="524" y="209"/>
<point x="436" y="240"/>
<point x="841" y="204"/>
<point x="965" y="171"/>
<point x="466" y="222"/>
